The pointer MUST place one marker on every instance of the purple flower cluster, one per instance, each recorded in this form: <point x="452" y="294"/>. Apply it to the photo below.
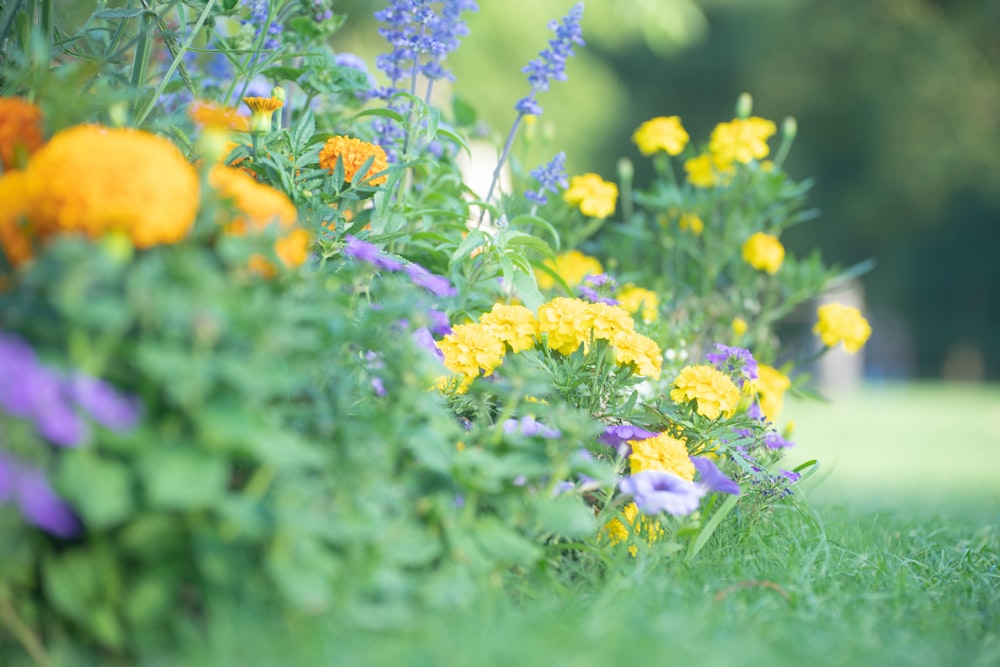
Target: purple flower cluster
<point x="655" y="491"/>
<point x="370" y="254"/>
<point x="551" y="177"/>
<point x="551" y="62"/>
<point x="593" y="287"/>
<point x="320" y="11"/>
<point x="258" y="19"/>
<point x="53" y="402"/>
<point x="736" y="361"/>
<point x="530" y="427"/>
<point x="27" y="487"/>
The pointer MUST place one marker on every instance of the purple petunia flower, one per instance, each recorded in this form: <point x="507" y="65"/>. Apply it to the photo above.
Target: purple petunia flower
<point x="551" y="62"/>
<point x="529" y="426"/>
<point x="551" y="177"/>
<point x="437" y="285"/>
<point x="424" y="339"/>
<point x="440" y="325"/>
<point x="734" y="360"/>
<point x="39" y="504"/>
<point x="370" y="254"/>
<point x="712" y="478"/>
<point x="655" y="491"/>
<point x="619" y="435"/>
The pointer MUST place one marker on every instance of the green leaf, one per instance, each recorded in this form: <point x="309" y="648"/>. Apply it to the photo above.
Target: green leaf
<point x="385" y="113"/>
<point x="183" y="478"/>
<point x="99" y="489"/>
<point x="527" y="288"/>
<point x="464" y="113"/>
<point x="475" y="239"/>
<point x="120" y="13"/>
<point x="566" y="516"/>
<point x="284" y="73"/>
<point x="505" y="544"/>
<point x="78" y="583"/>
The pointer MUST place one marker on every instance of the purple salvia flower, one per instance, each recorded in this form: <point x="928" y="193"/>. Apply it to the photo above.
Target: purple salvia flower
<point x="619" y="435"/>
<point x="774" y="440"/>
<point x="370" y="254"/>
<point x="551" y="177"/>
<point x="734" y="360"/>
<point x="790" y="476"/>
<point x="551" y="62"/>
<point x="655" y="491"/>
<point x="712" y="478"/>
<point x="437" y="285"/>
<point x="529" y="426"/>
<point x="258" y="18"/>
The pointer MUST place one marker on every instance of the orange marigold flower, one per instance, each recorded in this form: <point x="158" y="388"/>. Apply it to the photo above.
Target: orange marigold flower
<point x="212" y="115"/>
<point x="261" y="110"/>
<point x="352" y="154"/>
<point x="257" y="206"/>
<point x="20" y="131"/>
<point x="96" y="180"/>
<point x="15" y="236"/>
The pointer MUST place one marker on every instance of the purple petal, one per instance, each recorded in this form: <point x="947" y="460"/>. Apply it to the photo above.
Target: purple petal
<point x="618" y="437"/>
<point x="104" y="403"/>
<point x="792" y="477"/>
<point x="656" y="491"/>
<point x="775" y="441"/>
<point x="437" y="285"/>
<point x="424" y="339"/>
<point x="440" y="326"/>
<point x="370" y="254"/>
<point x="41" y="506"/>
<point x="713" y="478"/>
<point x="378" y="386"/>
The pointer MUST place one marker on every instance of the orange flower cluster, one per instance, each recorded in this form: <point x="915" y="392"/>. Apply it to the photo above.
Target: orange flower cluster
<point x="20" y="131"/>
<point x="352" y="154"/>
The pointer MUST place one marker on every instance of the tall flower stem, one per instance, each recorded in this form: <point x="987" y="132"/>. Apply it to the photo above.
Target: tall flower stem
<point x="500" y="162"/>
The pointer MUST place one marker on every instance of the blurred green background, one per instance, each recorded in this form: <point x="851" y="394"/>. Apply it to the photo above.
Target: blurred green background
<point x="898" y="108"/>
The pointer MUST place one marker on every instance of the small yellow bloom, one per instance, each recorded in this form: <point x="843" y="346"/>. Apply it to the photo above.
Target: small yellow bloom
<point x="713" y="390"/>
<point x="701" y="171"/>
<point x="661" y="452"/>
<point x="764" y="252"/>
<point x="839" y="323"/>
<point x="633" y="299"/>
<point x="215" y="116"/>
<point x="771" y="386"/>
<point x="692" y="222"/>
<point x="741" y="140"/>
<point x="609" y="322"/>
<point x="642" y="525"/>
<point x="567" y="324"/>
<point x="739" y="326"/>
<point x="470" y="348"/>
<point x="514" y="325"/>
<point x="572" y="266"/>
<point x="632" y="347"/>
<point x="20" y="131"/>
<point x="353" y="153"/>
<point x="664" y="133"/>
<point x="594" y="196"/>
<point x="261" y="110"/>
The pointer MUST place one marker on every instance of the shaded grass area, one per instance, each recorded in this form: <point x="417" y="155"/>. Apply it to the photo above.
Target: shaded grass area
<point x="837" y="588"/>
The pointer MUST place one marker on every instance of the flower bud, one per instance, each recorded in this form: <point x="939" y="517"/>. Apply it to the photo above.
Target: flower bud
<point x="744" y="105"/>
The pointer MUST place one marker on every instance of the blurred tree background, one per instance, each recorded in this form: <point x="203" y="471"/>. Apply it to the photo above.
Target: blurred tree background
<point x="898" y="108"/>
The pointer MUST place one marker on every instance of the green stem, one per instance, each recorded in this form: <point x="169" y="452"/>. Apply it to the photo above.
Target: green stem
<point x="23" y="634"/>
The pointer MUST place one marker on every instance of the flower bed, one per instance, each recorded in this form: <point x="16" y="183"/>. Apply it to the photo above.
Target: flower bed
<point x="287" y="357"/>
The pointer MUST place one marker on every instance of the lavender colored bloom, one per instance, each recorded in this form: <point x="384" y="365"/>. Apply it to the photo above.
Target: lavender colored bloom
<point x="529" y="426"/>
<point x="423" y="338"/>
<point x="520" y="480"/>
<point x="258" y="18"/>
<point x="370" y="254"/>
<point x="562" y="487"/>
<point x="712" y="478"/>
<point x="421" y="277"/>
<point x="774" y="440"/>
<point x="734" y="360"/>
<point x="38" y="502"/>
<point x="754" y="412"/>
<point x="655" y="491"/>
<point x="378" y="386"/>
<point x="551" y="62"/>
<point x="103" y="403"/>
<point x="551" y="177"/>
<point x="792" y="477"/>
<point x="440" y="325"/>
<point x="619" y="435"/>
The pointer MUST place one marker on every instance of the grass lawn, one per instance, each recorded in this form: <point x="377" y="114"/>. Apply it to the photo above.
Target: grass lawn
<point x="895" y="560"/>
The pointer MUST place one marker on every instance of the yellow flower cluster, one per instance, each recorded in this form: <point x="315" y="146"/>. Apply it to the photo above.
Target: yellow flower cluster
<point x="741" y="140"/>
<point x="514" y="325"/>
<point x="594" y="196"/>
<point x="631" y="347"/>
<point x="635" y="299"/>
<point x="663" y="133"/>
<point x="771" y="385"/>
<point x="572" y="266"/>
<point x="566" y="324"/>
<point x="470" y="348"/>
<point x="764" y="252"/>
<point x="713" y="390"/>
<point x="661" y="452"/>
<point x="642" y="525"/>
<point x="839" y="323"/>
<point x="691" y="222"/>
<point x="703" y="171"/>
<point x="352" y="154"/>
<point x="20" y="131"/>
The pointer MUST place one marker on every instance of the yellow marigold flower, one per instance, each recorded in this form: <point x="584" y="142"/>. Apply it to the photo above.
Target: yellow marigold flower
<point x="739" y="326"/>
<point x="839" y="323"/>
<point x="764" y="252"/>
<point x="741" y="140"/>
<point x="661" y="452"/>
<point x="20" y="131"/>
<point x="353" y="153"/>
<point x="594" y="196"/>
<point x="96" y="180"/>
<point x="15" y="236"/>
<point x="514" y="325"/>
<point x="609" y="322"/>
<point x="691" y="222"/>
<point x="257" y="206"/>
<point x="216" y="116"/>
<point x="642" y="525"/>
<point x="771" y="386"/>
<point x="470" y="348"/>
<point x="261" y="110"/>
<point x="566" y="323"/>
<point x="714" y="391"/>
<point x="701" y="171"/>
<point x="633" y="299"/>
<point x="663" y="133"/>
<point x="572" y="266"/>
<point x="633" y="348"/>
